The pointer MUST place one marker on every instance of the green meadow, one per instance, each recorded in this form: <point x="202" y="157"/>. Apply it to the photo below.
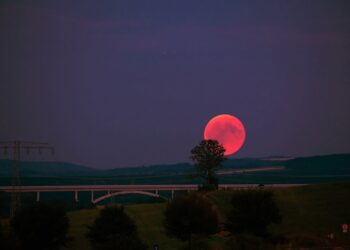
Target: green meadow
<point x="315" y="211"/>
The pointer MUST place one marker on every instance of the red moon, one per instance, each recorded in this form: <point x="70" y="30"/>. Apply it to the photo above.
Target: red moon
<point x="227" y="130"/>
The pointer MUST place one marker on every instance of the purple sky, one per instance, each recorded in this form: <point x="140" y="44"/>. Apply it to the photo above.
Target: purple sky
<point x="122" y="83"/>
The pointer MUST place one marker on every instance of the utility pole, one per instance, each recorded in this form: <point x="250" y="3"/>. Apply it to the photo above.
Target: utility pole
<point x="17" y="147"/>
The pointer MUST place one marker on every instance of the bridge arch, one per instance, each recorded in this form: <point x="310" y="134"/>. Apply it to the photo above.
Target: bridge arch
<point x="109" y="195"/>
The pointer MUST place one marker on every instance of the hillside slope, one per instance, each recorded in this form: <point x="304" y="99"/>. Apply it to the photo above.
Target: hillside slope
<point x="329" y="168"/>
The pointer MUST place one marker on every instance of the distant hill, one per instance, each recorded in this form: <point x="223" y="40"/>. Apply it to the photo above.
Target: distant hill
<point x="165" y="169"/>
<point x="254" y="162"/>
<point x="36" y="168"/>
<point x="316" y="169"/>
<point x="49" y="169"/>
<point x="181" y="168"/>
<point x="336" y="160"/>
<point x="333" y="164"/>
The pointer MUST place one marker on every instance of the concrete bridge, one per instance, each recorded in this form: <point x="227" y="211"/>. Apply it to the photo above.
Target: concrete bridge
<point x="115" y="190"/>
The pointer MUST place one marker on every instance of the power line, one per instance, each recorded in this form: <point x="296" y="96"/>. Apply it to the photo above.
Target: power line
<point x="17" y="147"/>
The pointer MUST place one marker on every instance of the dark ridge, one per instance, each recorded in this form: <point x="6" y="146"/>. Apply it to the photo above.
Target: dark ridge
<point x="324" y="161"/>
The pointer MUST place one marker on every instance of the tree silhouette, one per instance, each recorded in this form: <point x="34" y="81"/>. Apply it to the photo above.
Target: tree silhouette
<point x="208" y="157"/>
<point x="41" y="226"/>
<point x="191" y="215"/>
<point x="114" y="229"/>
<point x="252" y="211"/>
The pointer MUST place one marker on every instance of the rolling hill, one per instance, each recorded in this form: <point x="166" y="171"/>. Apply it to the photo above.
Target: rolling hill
<point x="316" y="169"/>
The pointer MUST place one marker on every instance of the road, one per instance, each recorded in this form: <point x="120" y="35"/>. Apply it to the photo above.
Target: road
<point x="249" y="170"/>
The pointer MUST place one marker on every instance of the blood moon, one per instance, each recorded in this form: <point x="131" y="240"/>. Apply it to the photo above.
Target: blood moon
<point x="228" y="130"/>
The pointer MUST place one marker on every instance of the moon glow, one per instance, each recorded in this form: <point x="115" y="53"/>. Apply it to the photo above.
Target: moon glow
<point x="228" y="130"/>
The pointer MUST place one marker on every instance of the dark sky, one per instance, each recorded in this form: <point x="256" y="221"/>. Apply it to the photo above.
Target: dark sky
<point x="123" y="83"/>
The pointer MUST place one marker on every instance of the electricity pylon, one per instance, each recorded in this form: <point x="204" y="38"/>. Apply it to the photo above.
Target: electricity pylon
<point x="17" y="147"/>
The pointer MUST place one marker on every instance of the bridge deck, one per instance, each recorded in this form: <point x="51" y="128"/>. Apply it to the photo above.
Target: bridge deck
<point x="175" y="187"/>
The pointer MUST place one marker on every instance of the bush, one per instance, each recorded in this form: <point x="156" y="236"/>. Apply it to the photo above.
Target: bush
<point x="7" y="241"/>
<point x="120" y="241"/>
<point x="190" y="215"/>
<point x="252" y="211"/>
<point x="41" y="226"/>
<point x="247" y="242"/>
<point x="2" y="237"/>
<point x="114" y="229"/>
<point x="307" y="241"/>
<point x="197" y="244"/>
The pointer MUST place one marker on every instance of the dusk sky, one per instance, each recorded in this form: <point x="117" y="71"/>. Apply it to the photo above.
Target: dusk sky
<point x="126" y="83"/>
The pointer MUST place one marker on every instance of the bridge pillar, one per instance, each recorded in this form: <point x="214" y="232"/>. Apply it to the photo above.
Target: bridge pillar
<point x="172" y="194"/>
<point x="157" y="191"/>
<point x="37" y="196"/>
<point x="76" y="198"/>
<point x="92" y="196"/>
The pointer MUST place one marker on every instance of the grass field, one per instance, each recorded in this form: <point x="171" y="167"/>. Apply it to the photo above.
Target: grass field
<point x="311" y="210"/>
<point x="148" y="218"/>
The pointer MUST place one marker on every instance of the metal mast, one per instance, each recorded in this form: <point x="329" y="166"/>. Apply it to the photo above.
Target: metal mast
<point x="17" y="147"/>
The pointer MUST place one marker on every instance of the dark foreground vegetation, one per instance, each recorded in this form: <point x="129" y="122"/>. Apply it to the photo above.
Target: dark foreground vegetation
<point x="309" y="217"/>
<point x="190" y="218"/>
<point x="114" y="229"/>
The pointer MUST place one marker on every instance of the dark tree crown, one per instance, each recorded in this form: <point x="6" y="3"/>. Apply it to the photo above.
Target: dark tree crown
<point x="41" y="226"/>
<point x="114" y="229"/>
<point x="190" y="215"/>
<point x="208" y="157"/>
<point x="252" y="211"/>
<point x="208" y="153"/>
